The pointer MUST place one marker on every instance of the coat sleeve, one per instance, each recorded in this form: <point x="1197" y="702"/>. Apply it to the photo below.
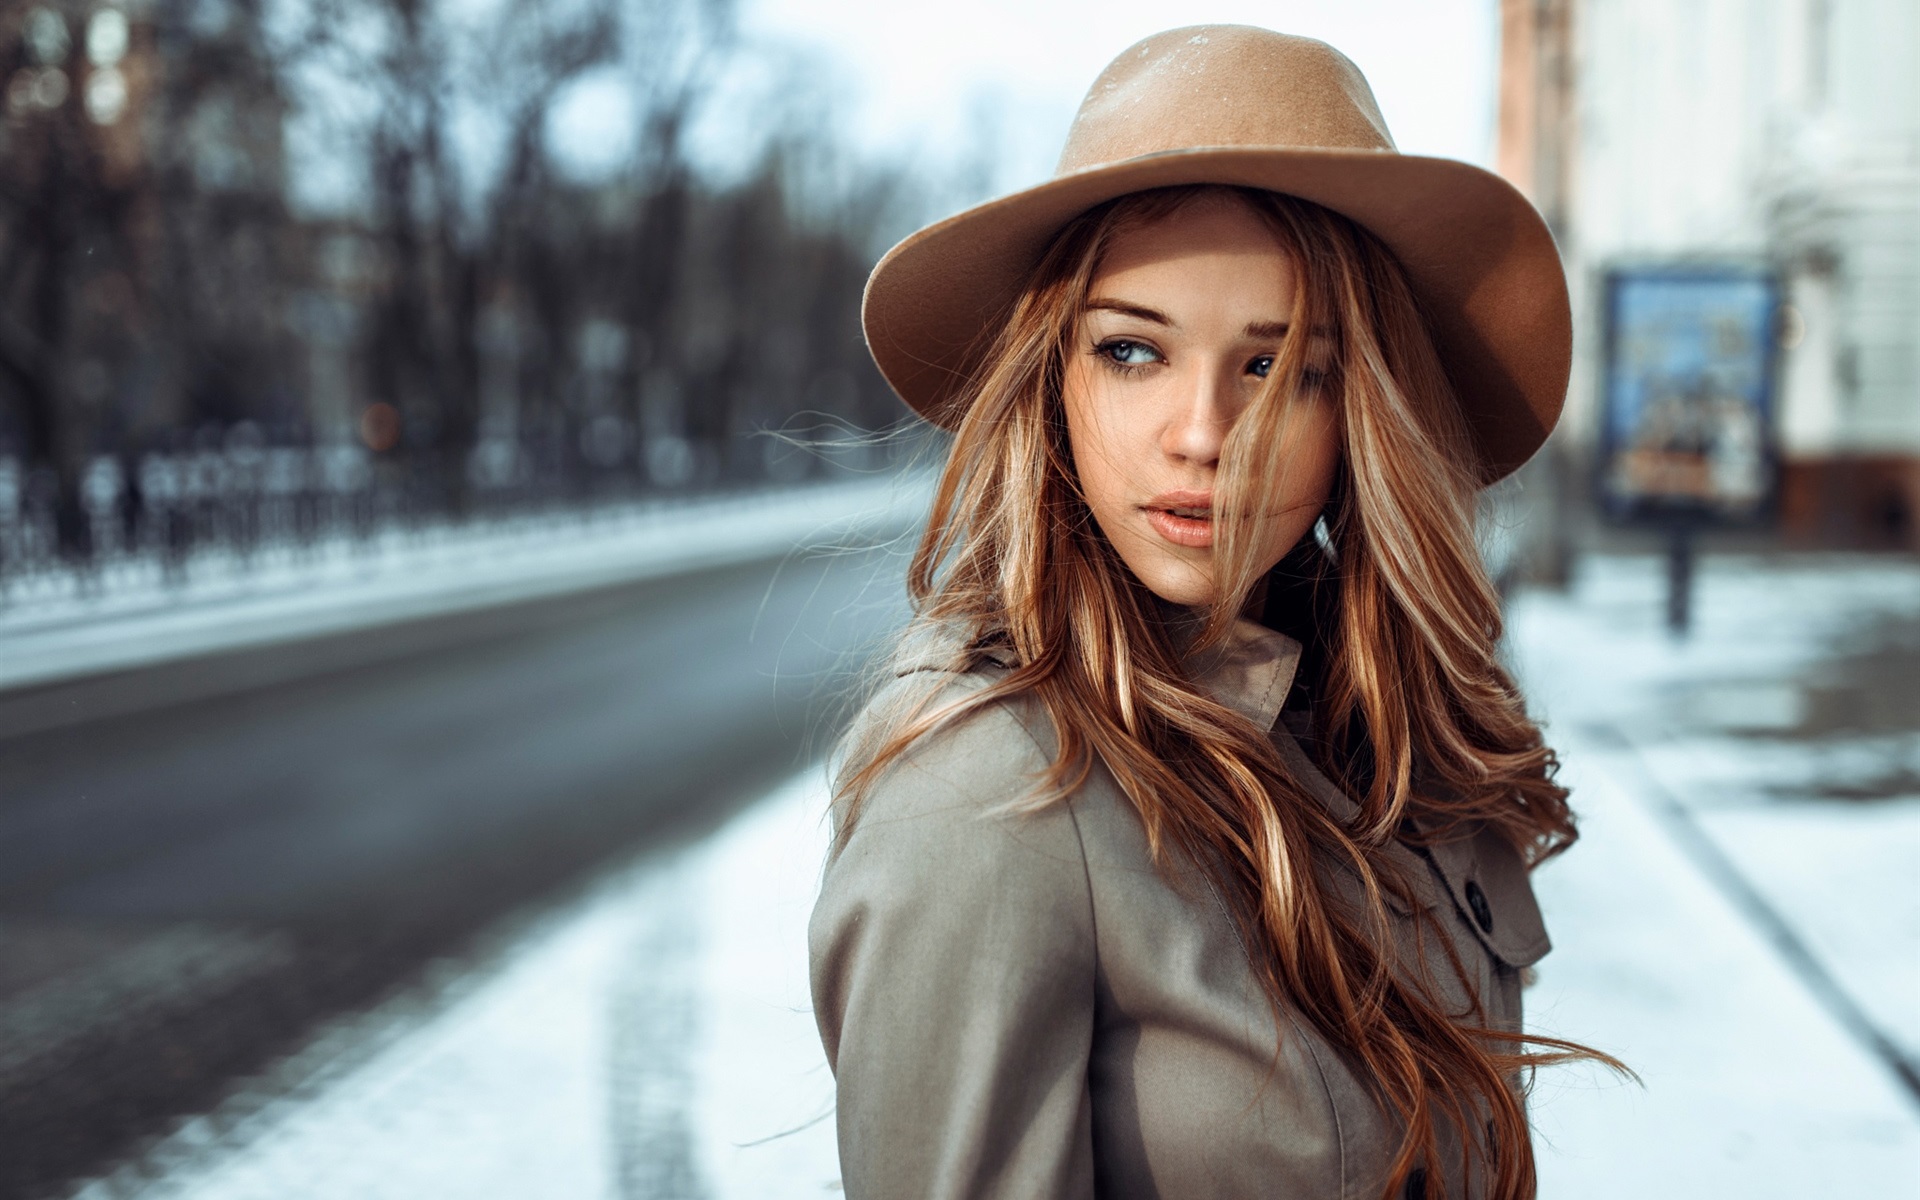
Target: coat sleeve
<point x="952" y="952"/>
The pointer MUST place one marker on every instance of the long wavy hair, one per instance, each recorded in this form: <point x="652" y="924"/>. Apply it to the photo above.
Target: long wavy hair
<point x="1416" y="716"/>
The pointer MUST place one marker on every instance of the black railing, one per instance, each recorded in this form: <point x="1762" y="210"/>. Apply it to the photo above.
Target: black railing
<point x="161" y="516"/>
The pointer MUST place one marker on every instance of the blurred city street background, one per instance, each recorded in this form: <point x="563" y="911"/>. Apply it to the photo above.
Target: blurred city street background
<point x="446" y="508"/>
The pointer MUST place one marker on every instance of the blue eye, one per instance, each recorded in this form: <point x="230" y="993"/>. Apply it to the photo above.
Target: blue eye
<point x="1259" y="367"/>
<point x="1126" y="353"/>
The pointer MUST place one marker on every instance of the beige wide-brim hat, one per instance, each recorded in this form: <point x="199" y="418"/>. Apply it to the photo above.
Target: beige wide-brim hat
<point x="1232" y="104"/>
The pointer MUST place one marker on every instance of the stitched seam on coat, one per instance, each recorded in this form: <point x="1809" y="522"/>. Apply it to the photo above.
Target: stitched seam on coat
<point x="1086" y="872"/>
<point x="1326" y="1090"/>
<point x="1319" y="1068"/>
<point x="1093" y="912"/>
<point x="1093" y="982"/>
<point x="1019" y="719"/>
<point x="1266" y="700"/>
<point x="1289" y="750"/>
<point x="1093" y="927"/>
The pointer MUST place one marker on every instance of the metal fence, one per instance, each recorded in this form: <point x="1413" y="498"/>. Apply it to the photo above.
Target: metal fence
<point x="230" y="503"/>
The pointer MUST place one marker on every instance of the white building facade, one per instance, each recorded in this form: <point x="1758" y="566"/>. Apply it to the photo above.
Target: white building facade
<point x="1783" y="132"/>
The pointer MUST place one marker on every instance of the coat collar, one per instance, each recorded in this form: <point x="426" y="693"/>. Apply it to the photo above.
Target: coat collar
<point x="1250" y="671"/>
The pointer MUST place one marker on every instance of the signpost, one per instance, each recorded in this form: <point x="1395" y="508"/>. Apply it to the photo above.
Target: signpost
<point x="1687" y="432"/>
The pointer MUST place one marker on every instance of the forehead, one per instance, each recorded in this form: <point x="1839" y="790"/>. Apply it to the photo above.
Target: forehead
<point x="1214" y="247"/>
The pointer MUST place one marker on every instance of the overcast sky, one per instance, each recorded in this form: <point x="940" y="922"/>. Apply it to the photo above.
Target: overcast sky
<point x="996" y="82"/>
<point x="915" y="73"/>
<point x="935" y="85"/>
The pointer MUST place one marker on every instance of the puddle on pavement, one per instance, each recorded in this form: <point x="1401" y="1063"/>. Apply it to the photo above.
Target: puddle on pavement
<point x="1897" y="784"/>
<point x="1868" y="689"/>
<point x="1869" y="686"/>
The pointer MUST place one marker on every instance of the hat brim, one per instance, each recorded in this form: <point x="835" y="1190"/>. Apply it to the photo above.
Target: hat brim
<point x="1481" y="262"/>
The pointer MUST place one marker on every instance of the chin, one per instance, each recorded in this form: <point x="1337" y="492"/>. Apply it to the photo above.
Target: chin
<point x="1179" y="585"/>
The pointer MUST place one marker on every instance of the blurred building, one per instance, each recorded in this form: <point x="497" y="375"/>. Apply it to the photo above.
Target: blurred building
<point x="142" y="147"/>
<point x="1784" y="132"/>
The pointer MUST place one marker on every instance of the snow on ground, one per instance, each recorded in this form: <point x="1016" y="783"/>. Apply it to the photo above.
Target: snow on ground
<point x="654" y="1039"/>
<point x="1751" y="1088"/>
<point x="136" y="618"/>
<point x="1849" y="879"/>
<point x="1783" y="731"/>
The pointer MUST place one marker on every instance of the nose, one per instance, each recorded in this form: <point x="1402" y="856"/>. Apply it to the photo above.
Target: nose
<point x="1198" y="425"/>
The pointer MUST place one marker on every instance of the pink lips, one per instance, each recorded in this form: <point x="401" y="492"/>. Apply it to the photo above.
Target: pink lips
<point x="1182" y="517"/>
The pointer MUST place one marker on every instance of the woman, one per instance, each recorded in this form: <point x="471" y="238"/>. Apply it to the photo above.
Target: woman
<point x="1185" y="851"/>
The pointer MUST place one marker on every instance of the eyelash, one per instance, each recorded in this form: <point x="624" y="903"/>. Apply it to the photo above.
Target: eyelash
<point x="1310" y="376"/>
<point x="1104" y="352"/>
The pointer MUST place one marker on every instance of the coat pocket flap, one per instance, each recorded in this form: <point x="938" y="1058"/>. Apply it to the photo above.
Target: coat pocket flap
<point x="1487" y="880"/>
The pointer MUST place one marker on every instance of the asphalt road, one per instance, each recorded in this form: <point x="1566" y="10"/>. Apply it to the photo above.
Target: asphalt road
<point x="201" y="863"/>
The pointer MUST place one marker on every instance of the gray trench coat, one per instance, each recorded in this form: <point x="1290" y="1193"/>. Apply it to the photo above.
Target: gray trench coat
<point x="1023" y="1006"/>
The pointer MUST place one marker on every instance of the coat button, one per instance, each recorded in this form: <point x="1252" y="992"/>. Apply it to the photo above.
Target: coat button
<point x="1477" y="901"/>
<point x="1416" y="1188"/>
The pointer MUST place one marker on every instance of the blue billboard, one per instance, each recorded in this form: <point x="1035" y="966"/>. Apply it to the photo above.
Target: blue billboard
<point x="1688" y="397"/>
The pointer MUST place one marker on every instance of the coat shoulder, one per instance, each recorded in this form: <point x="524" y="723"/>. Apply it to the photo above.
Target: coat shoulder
<point x="979" y="756"/>
<point x="944" y="911"/>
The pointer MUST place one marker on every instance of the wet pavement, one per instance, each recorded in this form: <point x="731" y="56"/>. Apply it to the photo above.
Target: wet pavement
<point x="651" y="1039"/>
<point x="189" y="891"/>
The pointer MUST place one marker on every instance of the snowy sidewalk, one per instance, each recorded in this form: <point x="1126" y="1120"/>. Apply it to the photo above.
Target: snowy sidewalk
<point x="655" y="1038"/>
<point x="287" y="593"/>
<point x="1748" y="878"/>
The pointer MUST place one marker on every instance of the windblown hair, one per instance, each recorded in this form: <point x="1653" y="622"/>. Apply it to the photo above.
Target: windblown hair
<point x="1416" y="716"/>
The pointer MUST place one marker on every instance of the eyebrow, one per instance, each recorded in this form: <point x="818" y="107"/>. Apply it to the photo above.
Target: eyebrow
<point x="1264" y="330"/>
<point x="1151" y="315"/>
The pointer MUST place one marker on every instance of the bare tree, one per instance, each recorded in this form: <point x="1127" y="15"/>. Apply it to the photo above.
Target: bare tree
<point x="159" y="284"/>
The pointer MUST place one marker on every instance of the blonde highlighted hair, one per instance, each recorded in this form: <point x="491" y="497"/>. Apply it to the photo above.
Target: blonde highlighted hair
<point x="1417" y="716"/>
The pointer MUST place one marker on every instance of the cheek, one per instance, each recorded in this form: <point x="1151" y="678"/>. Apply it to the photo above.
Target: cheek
<point x="1313" y="445"/>
<point x="1313" y="459"/>
<point x="1322" y="454"/>
<point x="1090" y="439"/>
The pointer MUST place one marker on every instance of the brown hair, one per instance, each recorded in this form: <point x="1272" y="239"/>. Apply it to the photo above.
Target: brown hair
<point x="1419" y="716"/>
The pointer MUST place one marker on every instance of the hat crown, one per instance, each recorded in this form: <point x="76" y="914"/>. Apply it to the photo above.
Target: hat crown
<point x="1223" y="85"/>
